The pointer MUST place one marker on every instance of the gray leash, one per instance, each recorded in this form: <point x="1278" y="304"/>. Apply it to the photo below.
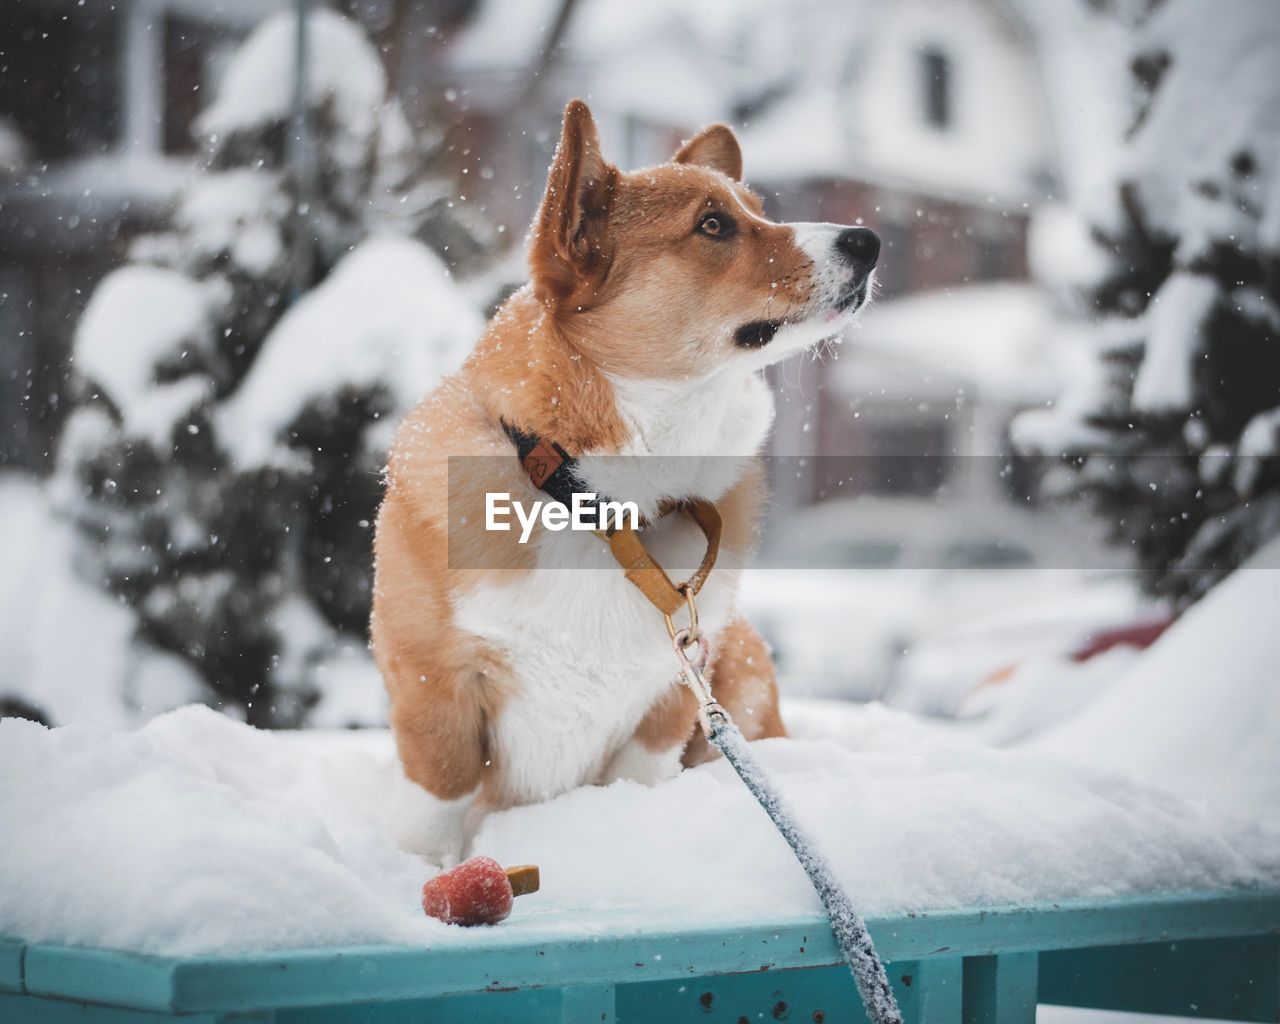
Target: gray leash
<point x="847" y="924"/>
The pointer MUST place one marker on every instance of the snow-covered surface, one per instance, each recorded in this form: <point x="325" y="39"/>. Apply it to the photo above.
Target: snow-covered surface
<point x="388" y="315"/>
<point x="1200" y="711"/>
<point x="210" y="837"/>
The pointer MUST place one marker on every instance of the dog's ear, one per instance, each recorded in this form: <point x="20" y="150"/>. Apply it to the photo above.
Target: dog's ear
<point x="570" y="238"/>
<point x="716" y="147"/>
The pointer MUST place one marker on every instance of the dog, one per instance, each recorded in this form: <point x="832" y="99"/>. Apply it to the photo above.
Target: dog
<point x="517" y="672"/>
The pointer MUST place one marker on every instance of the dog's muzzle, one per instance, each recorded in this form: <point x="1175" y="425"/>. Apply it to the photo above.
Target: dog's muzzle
<point x="849" y="256"/>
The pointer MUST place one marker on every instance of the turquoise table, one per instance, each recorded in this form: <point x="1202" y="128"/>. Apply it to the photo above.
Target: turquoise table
<point x="1206" y="955"/>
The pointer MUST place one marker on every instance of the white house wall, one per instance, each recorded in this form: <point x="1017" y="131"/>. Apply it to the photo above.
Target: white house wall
<point x="993" y="73"/>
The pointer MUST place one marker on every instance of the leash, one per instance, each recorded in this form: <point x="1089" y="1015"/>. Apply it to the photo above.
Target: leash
<point x="846" y="923"/>
<point x="546" y="463"/>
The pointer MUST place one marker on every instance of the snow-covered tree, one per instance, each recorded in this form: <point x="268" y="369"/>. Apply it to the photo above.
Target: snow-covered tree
<point x="242" y="374"/>
<point x="1175" y="439"/>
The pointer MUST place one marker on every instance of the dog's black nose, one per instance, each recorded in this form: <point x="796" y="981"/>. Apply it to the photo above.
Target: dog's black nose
<point x="860" y="246"/>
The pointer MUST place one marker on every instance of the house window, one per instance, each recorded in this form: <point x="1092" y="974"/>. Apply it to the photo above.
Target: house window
<point x="992" y="258"/>
<point x="908" y="457"/>
<point x="195" y="57"/>
<point x="935" y="74"/>
<point x="59" y="78"/>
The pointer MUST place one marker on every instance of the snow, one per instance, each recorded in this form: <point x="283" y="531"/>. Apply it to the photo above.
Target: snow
<point x="209" y="836"/>
<point x="237" y="212"/>
<point x="1061" y="253"/>
<point x="187" y="833"/>
<point x="1175" y="321"/>
<point x="258" y="84"/>
<point x="1200" y="711"/>
<point x="1081" y="53"/>
<point x="388" y="315"/>
<point x="43" y="600"/>
<point x="1047" y="1014"/>
<point x="502" y="35"/>
<point x="1065" y="427"/>
<point x="1185" y="139"/>
<point x="351" y="688"/>
<point x="15" y="151"/>
<point x="348" y="686"/>
<point x="1269" y="228"/>
<point x="140" y="317"/>
<point x="1258" y="445"/>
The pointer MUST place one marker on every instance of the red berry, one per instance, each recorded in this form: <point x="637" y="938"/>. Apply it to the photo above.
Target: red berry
<point x="477" y="891"/>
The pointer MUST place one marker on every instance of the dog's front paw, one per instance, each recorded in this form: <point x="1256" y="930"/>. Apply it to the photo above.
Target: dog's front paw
<point x="439" y="850"/>
<point x="427" y="826"/>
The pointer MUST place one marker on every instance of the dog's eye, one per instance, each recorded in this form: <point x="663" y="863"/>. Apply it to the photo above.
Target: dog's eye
<point x="715" y="225"/>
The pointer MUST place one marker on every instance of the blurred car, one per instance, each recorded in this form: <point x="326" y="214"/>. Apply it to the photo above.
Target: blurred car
<point x="944" y="672"/>
<point x="852" y="585"/>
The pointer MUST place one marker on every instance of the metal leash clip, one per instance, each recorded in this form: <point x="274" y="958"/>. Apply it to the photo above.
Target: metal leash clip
<point x="710" y="714"/>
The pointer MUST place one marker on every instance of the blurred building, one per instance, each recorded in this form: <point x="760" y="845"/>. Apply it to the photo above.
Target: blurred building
<point x="97" y="99"/>
<point x="937" y="122"/>
<point x="925" y="118"/>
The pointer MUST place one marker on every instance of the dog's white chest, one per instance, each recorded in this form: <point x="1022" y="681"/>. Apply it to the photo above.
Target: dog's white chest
<point x="589" y="653"/>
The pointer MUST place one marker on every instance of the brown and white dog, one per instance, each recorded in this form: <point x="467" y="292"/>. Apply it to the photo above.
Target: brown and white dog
<point x="656" y="299"/>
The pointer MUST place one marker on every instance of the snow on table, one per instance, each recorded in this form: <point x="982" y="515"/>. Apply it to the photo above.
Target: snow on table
<point x="197" y="834"/>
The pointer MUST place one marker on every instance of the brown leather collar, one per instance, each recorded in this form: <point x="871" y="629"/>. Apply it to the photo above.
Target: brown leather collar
<point x="650" y="577"/>
<point x="554" y="471"/>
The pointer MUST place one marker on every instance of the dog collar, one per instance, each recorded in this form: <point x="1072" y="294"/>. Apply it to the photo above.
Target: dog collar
<point x="549" y="467"/>
<point x="553" y="471"/>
